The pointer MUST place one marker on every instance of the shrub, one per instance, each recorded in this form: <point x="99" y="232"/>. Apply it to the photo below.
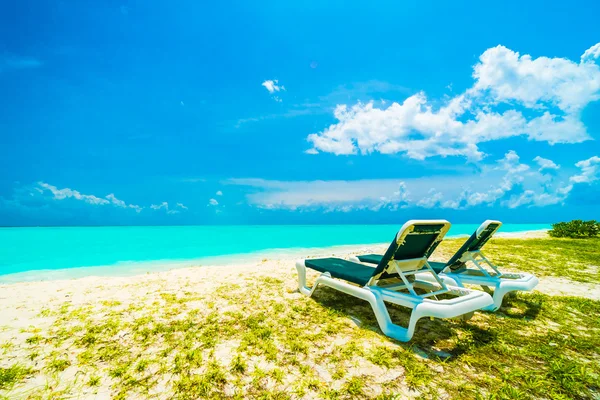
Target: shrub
<point x="575" y="229"/>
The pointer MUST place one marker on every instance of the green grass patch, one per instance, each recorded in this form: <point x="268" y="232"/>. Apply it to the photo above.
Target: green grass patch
<point x="13" y="374"/>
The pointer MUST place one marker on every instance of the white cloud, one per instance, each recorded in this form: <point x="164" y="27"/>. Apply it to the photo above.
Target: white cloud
<point x="591" y="54"/>
<point x="541" y="98"/>
<point x="42" y="194"/>
<point x="67" y="193"/>
<point x="213" y="202"/>
<point x="432" y="200"/>
<point x="506" y="182"/>
<point x="164" y="206"/>
<point x="273" y="86"/>
<point x="510" y="77"/>
<point x="120" y="203"/>
<point x="531" y="198"/>
<point x="502" y="178"/>
<point x="219" y="193"/>
<point x="590" y="170"/>
<point x="545" y="163"/>
<point x="136" y="208"/>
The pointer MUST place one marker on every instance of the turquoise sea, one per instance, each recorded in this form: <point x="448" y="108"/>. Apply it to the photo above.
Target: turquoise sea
<point x="51" y="253"/>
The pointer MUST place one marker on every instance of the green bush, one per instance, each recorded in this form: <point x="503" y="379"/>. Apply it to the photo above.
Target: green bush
<point x="575" y="229"/>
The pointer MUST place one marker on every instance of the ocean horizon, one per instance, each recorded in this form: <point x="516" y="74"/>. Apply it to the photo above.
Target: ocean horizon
<point x="46" y="253"/>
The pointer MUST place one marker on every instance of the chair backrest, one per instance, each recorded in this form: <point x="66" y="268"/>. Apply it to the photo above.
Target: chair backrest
<point x="474" y="243"/>
<point x="414" y="243"/>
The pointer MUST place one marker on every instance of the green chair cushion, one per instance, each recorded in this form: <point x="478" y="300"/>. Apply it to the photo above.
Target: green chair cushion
<point x="342" y="269"/>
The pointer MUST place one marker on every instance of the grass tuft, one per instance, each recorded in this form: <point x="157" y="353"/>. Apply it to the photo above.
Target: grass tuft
<point x="13" y="374"/>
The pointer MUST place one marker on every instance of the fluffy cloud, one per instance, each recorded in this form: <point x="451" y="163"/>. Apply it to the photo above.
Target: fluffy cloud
<point x="273" y="86"/>
<point x="510" y="77"/>
<point x="531" y="198"/>
<point x="110" y="199"/>
<point x="432" y="200"/>
<point x="505" y="175"/>
<point x="165" y="206"/>
<point x="513" y="95"/>
<point x="590" y="169"/>
<point x="67" y="193"/>
<point x="591" y="54"/>
<point x="213" y="202"/>
<point x="545" y="163"/>
<point x="160" y="206"/>
<point x="120" y="203"/>
<point x="219" y="193"/>
<point x="506" y="182"/>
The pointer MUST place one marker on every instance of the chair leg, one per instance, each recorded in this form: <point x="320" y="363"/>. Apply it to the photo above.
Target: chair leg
<point x="301" y="268"/>
<point x="374" y="298"/>
<point x="499" y="293"/>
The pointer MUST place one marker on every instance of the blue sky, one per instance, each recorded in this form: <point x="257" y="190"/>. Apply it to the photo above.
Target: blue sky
<point x="145" y="112"/>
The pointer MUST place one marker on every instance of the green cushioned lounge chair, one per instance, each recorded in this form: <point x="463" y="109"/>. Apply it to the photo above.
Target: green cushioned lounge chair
<point x="394" y="280"/>
<point x="455" y="271"/>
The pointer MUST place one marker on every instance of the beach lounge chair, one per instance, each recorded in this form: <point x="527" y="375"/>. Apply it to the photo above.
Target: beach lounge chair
<point x="394" y="280"/>
<point x="455" y="271"/>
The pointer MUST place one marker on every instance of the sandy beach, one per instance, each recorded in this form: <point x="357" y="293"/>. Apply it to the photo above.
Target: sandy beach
<point x="33" y="308"/>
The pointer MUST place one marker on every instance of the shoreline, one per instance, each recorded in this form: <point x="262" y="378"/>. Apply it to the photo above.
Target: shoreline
<point x="135" y="268"/>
